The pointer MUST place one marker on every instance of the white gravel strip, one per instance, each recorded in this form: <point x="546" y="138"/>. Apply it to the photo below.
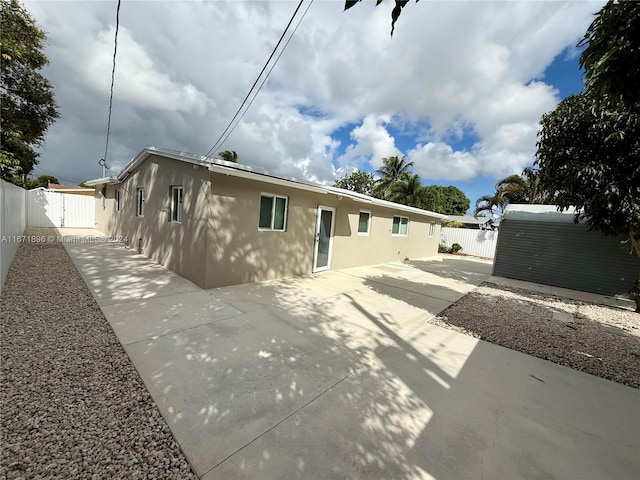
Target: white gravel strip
<point x="72" y="405"/>
<point x="596" y="339"/>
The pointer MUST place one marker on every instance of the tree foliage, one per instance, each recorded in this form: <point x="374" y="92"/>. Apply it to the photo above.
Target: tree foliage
<point x="395" y="13"/>
<point x="490" y="205"/>
<point x="612" y="57"/>
<point x="590" y="158"/>
<point x="28" y="104"/>
<point x="41" y="181"/>
<point x="229" y="156"/>
<point x="446" y="200"/>
<point x="589" y="155"/>
<point x="408" y="192"/>
<point x="399" y="184"/>
<point x="361" y="182"/>
<point x="394" y="170"/>
<point x="524" y="188"/>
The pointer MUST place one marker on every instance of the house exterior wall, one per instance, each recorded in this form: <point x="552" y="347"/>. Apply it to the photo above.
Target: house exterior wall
<point x="240" y="252"/>
<point x="564" y="255"/>
<point x="181" y="247"/>
<point x="219" y="243"/>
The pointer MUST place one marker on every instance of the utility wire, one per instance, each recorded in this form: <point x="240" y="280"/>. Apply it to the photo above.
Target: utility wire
<point x="266" y="77"/>
<point x="113" y="76"/>
<point x="257" y="79"/>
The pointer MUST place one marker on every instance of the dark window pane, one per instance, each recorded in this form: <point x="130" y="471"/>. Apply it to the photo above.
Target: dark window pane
<point x="396" y="225"/>
<point x="278" y="222"/>
<point x="266" y="204"/>
<point x="363" y="222"/>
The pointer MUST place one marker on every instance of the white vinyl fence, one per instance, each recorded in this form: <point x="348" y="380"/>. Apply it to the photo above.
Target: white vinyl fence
<point x="51" y="209"/>
<point x="12" y="224"/>
<point x="481" y="243"/>
<point x="20" y="208"/>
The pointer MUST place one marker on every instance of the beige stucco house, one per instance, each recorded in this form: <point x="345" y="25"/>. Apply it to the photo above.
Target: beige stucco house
<point x="219" y="223"/>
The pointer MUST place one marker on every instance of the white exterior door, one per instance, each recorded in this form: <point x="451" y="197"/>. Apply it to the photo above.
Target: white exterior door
<point x="323" y="238"/>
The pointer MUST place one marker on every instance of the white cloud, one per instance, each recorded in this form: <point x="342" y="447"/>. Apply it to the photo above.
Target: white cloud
<point x="184" y="67"/>
<point x="438" y="161"/>
<point x="138" y="80"/>
<point x="372" y="143"/>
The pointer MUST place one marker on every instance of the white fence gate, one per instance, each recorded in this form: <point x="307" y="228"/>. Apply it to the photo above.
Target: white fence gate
<point x="51" y="209"/>
<point x="481" y="243"/>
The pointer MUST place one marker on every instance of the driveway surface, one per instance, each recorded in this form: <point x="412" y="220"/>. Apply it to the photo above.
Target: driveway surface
<point x="339" y="376"/>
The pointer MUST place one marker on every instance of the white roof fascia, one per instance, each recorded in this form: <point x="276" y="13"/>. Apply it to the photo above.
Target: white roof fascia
<point x="100" y="181"/>
<point x="361" y="197"/>
<point x="244" y="171"/>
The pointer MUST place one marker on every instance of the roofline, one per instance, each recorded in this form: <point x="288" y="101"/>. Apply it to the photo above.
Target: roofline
<point x="252" y="173"/>
<point x="224" y="170"/>
<point x="100" y="181"/>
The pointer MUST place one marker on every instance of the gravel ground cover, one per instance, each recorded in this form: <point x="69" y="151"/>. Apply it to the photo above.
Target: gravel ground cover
<point x="71" y="403"/>
<point x="596" y="339"/>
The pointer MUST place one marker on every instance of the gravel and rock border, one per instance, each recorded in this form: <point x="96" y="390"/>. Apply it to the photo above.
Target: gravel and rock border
<point x="71" y="403"/>
<point x="597" y="339"/>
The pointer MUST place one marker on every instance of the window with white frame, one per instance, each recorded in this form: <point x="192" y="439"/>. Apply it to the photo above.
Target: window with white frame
<point x="432" y="229"/>
<point x="117" y="200"/>
<point x="364" y="222"/>
<point x="400" y="225"/>
<point x="140" y="202"/>
<point x="176" y="204"/>
<point x="273" y="212"/>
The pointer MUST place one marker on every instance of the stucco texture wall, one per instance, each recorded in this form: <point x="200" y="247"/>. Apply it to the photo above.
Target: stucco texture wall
<point x="181" y="247"/>
<point x="240" y="252"/>
<point x="218" y="242"/>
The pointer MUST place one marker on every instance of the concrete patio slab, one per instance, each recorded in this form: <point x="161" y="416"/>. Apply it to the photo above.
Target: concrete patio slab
<point x="418" y="413"/>
<point x="154" y="317"/>
<point x="339" y="376"/>
<point x="116" y="274"/>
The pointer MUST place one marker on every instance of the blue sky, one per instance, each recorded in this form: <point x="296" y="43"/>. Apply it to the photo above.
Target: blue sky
<point x="459" y="89"/>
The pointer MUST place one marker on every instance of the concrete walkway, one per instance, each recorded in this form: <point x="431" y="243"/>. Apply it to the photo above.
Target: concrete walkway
<point x="339" y="376"/>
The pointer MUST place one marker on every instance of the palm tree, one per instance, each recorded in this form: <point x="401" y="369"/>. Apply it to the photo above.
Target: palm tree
<point x="393" y="170"/>
<point x="229" y="156"/>
<point x="408" y="192"/>
<point x="523" y="188"/>
<point x="491" y="205"/>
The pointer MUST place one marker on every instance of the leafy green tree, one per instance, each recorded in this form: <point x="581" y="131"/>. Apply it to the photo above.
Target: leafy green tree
<point x="28" y="106"/>
<point x="588" y="155"/>
<point x="446" y="200"/>
<point x="41" y="181"/>
<point x="229" y="156"/>
<point x="408" y="192"/>
<point x="612" y="57"/>
<point x="361" y="182"/>
<point x="395" y="13"/>
<point x="394" y="170"/>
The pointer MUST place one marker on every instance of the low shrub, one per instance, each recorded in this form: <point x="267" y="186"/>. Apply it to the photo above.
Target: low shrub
<point x="455" y="248"/>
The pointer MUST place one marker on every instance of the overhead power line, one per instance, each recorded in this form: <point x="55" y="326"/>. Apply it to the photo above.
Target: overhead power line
<point x="216" y="144"/>
<point x="266" y="76"/>
<point x="113" y="76"/>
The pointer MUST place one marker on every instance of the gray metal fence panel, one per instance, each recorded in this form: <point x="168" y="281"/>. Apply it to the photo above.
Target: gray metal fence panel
<point x="565" y="255"/>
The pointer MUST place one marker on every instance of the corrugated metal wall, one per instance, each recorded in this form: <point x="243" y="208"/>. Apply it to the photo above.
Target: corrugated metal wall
<point x="565" y="255"/>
